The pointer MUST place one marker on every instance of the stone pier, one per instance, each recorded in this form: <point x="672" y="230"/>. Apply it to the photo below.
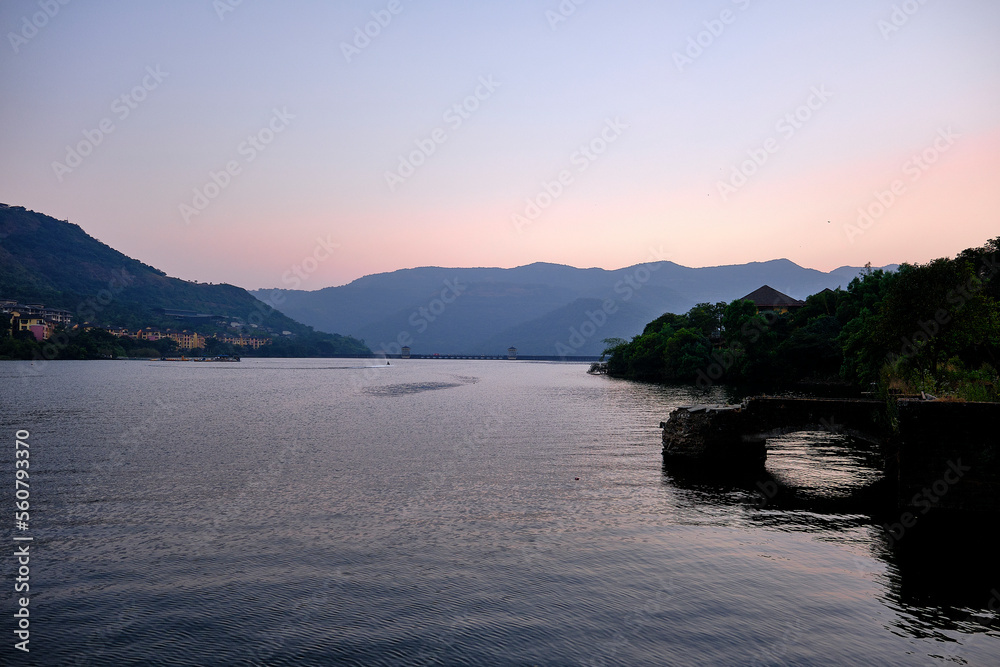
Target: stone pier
<point x="942" y="454"/>
<point x="710" y="434"/>
<point x="736" y="434"/>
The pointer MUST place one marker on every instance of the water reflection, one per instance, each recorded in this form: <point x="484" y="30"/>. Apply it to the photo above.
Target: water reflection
<point x="457" y="512"/>
<point x="941" y="575"/>
<point x="946" y="567"/>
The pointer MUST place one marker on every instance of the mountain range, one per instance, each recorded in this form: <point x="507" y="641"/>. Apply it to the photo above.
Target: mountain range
<point x="541" y="309"/>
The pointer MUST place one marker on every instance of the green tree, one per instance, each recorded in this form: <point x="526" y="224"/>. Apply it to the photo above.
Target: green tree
<point x="935" y="311"/>
<point x="813" y="350"/>
<point x="686" y="352"/>
<point x="706" y="318"/>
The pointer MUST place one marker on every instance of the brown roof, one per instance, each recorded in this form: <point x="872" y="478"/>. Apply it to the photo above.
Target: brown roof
<point x="768" y="297"/>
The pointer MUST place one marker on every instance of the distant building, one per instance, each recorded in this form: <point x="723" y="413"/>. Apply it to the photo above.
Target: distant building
<point x="245" y="341"/>
<point x="34" y="317"/>
<point x="57" y="315"/>
<point x="149" y="334"/>
<point x="39" y="327"/>
<point x="186" y="340"/>
<point x="512" y="352"/>
<point x="768" y="298"/>
<point x="406" y="352"/>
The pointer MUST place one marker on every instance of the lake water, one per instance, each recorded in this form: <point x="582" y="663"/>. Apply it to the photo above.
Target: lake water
<point x="317" y="512"/>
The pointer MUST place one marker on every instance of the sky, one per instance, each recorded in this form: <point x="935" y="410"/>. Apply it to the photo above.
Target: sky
<point x="256" y="142"/>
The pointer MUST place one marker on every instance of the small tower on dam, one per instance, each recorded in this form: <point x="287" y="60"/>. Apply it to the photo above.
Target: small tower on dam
<point x="512" y="352"/>
<point x="405" y="352"/>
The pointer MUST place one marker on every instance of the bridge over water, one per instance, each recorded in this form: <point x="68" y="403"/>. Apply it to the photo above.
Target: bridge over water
<point x="860" y="418"/>
<point x="936" y="453"/>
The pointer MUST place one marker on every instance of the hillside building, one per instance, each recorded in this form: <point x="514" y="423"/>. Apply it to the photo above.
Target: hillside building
<point x="34" y="317"/>
<point x="768" y="298"/>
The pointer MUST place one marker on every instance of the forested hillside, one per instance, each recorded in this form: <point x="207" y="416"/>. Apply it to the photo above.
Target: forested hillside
<point x="931" y="327"/>
<point x="56" y="263"/>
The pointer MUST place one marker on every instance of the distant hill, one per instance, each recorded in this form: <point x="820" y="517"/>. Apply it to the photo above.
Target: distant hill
<point x="542" y="309"/>
<point x="56" y="263"/>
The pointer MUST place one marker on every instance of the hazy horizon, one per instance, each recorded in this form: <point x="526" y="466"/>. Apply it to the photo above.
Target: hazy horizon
<point x="230" y="141"/>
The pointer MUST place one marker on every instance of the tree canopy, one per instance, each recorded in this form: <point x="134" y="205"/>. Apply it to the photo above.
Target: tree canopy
<point x="926" y="327"/>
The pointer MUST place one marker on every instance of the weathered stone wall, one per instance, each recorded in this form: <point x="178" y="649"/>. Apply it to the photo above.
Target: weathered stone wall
<point x="710" y="433"/>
